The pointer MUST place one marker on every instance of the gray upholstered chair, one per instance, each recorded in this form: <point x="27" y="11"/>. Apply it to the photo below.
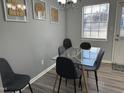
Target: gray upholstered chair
<point x="11" y="81"/>
<point x="96" y="66"/>
<point x="61" y="50"/>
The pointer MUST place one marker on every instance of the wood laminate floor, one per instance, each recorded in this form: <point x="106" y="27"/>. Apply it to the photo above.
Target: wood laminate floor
<point x="110" y="81"/>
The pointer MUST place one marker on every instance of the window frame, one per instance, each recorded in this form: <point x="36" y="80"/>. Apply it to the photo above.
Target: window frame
<point x="82" y="30"/>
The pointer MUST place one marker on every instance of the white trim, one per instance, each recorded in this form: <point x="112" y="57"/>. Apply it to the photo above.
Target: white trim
<point x="115" y="31"/>
<point x="106" y="61"/>
<point x="118" y="3"/>
<point x="42" y="73"/>
<point x="55" y="57"/>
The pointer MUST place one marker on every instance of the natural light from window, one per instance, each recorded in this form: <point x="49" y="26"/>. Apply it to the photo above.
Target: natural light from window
<point x="95" y="21"/>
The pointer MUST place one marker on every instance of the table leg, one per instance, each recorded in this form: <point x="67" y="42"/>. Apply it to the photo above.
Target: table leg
<point x="55" y="83"/>
<point x="85" y="81"/>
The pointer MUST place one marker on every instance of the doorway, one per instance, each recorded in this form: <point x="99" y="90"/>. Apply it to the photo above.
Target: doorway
<point x="118" y="54"/>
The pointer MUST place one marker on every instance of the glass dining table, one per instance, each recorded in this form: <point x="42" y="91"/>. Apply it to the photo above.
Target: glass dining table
<point x="82" y="57"/>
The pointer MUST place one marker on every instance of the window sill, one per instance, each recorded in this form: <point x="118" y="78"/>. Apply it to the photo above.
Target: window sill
<point x="93" y="39"/>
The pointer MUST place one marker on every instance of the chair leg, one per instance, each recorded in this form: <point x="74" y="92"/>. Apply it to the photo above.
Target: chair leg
<point x="30" y="88"/>
<point x="87" y="74"/>
<point x="80" y="84"/>
<point x="59" y="83"/>
<point x="20" y="91"/>
<point x="74" y="86"/>
<point x="66" y="80"/>
<point x="55" y="83"/>
<point x="96" y="80"/>
<point x="14" y="91"/>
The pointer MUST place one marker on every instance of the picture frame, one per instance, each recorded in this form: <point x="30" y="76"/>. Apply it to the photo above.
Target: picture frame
<point x="54" y="14"/>
<point x="15" y="10"/>
<point x="39" y="9"/>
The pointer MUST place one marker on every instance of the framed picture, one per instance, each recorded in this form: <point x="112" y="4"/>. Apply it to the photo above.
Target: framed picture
<point x="54" y="15"/>
<point x="39" y="9"/>
<point x="15" y="10"/>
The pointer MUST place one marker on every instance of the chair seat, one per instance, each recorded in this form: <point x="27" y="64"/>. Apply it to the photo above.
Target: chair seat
<point x="20" y="81"/>
<point x="89" y="68"/>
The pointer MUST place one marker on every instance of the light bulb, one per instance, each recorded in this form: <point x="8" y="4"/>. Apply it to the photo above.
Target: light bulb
<point x="74" y="1"/>
<point x="13" y="7"/>
<point x="19" y="6"/>
<point x="9" y="5"/>
<point x="62" y="1"/>
<point x="23" y="7"/>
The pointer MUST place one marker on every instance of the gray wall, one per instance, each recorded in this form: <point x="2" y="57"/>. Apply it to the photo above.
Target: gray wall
<point x="74" y="26"/>
<point x="24" y="45"/>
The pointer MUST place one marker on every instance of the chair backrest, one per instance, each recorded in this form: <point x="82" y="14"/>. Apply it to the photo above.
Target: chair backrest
<point x="85" y="45"/>
<point x="61" y="50"/>
<point x="5" y="70"/>
<point x="99" y="59"/>
<point x="67" y="43"/>
<point x="65" y="68"/>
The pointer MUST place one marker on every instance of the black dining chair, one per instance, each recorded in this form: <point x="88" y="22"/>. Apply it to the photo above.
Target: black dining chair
<point x="11" y="81"/>
<point x="67" y="43"/>
<point x="61" y="50"/>
<point x="96" y="66"/>
<point x="85" y="45"/>
<point x="65" y="69"/>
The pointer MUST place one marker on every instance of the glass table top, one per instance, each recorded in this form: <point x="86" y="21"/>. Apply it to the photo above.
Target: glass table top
<point x="84" y="57"/>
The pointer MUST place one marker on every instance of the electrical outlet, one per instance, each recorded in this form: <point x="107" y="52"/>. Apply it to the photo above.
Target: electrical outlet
<point x="42" y="62"/>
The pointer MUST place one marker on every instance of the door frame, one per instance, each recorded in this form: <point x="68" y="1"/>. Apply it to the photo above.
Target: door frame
<point x="118" y="3"/>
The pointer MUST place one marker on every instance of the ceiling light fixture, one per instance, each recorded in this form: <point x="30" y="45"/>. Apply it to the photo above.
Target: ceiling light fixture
<point x="67" y="1"/>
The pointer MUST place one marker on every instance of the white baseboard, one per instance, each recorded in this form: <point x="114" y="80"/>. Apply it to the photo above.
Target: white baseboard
<point x="39" y="75"/>
<point x="42" y="73"/>
<point x="106" y="61"/>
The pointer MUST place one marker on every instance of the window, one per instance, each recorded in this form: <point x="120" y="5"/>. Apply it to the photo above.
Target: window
<point x="95" y="21"/>
<point x="122" y="24"/>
